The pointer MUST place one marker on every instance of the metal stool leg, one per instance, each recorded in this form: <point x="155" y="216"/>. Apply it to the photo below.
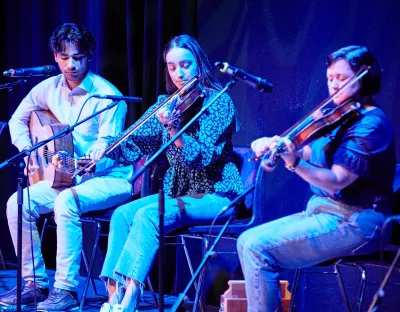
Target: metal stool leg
<point x="362" y="286"/>
<point x="89" y="271"/>
<point x="189" y="262"/>
<point x="86" y="262"/>
<point x="45" y="221"/>
<point x="153" y="294"/>
<point x="361" y="290"/>
<point x="198" y="301"/>
<point x="294" y="288"/>
<point x="342" y="289"/>
<point x="2" y="260"/>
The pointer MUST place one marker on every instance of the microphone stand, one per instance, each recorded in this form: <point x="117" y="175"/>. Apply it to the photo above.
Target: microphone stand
<point x="11" y="85"/>
<point x="161" y="209"/>
<point x="210" y="253"/>
<point x="18" y="161"/>
<point x="377" y="299"/>
<point x="20" y="179"/>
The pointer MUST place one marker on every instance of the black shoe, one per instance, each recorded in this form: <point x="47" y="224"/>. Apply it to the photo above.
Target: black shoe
<point x="59" y="300"/>
<point x="28" y="294"/>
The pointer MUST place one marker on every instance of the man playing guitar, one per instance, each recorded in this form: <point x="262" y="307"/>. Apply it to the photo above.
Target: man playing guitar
<point x="63" y="97"/>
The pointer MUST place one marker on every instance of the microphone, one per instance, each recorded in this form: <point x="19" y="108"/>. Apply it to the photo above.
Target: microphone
<point x="47" y="70"/>
<point x="118" y="98"/>
<point x="256" y="82"/>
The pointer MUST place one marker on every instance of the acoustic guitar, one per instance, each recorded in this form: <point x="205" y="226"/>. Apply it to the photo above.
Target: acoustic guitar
<point x="43" y="125"/>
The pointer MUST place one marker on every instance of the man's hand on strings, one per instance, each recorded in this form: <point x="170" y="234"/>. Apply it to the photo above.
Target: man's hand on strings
<point x="60" y="162"/>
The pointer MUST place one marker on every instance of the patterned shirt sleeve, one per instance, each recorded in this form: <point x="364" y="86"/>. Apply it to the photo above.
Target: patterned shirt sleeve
<point x="216" y="126"/>
<point x="144" y="140"/>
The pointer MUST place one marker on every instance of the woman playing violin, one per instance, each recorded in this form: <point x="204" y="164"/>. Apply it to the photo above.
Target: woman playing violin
<point x="200" y="181"/>
<point x="350" y="173"/>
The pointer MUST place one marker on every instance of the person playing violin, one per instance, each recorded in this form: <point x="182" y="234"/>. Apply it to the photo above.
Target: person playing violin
<point x="200" y="181"/>
<point x="350" y="173"/>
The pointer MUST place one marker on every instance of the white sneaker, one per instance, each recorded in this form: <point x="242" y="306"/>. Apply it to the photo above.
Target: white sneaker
<point x="106" y="307"/>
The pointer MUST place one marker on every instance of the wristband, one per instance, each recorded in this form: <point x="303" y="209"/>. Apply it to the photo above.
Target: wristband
<point x="294" y="165"/>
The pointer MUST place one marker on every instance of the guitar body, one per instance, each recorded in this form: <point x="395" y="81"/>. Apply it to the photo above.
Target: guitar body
<point x="43" y="125"/>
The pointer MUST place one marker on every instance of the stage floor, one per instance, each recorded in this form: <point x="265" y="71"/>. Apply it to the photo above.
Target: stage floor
<point x="93" y="303"/>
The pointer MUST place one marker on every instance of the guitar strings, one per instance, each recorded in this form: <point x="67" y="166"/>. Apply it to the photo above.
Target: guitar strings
<point x="47" y="153"/>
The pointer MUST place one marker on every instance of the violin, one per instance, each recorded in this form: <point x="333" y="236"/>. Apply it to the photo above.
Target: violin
<point x="183" y="101"/>
<point x="311" y="128"/>
<point x="318" y="128"/>
<point x="178" y="103"/>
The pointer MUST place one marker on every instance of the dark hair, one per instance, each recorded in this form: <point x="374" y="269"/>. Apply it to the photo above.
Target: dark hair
<point x="358" y="56"/>
<point x="72" y="33"/>
<point x="207" y="79"/>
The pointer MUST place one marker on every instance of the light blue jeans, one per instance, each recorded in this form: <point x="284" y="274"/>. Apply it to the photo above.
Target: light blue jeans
<point x="68" y="204"/>
<point x="133" y="241"/>
<point x="326" y="230"/>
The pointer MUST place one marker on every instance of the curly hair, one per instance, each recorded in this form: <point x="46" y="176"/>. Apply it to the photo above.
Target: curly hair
<point x="72" y="33"/>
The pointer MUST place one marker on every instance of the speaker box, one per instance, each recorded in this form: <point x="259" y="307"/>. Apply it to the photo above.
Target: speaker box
<point x="223" y="266"/>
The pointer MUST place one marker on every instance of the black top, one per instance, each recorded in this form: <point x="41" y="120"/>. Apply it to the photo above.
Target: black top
<point x="367" y="149"/>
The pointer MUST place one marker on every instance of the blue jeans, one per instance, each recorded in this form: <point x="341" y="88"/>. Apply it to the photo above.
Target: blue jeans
<point x="134" y="231"/>
<point x="326" y="230"/>
<point x="68" y="204"/>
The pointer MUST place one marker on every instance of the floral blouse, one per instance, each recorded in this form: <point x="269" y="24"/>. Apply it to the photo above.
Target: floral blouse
<point x="204" y="163"/>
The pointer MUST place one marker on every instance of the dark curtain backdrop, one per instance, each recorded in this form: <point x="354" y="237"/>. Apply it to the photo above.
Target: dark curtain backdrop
<point x="130" y="37"/>
<point x="287" y="42"/>
<point x="284" y="41"/>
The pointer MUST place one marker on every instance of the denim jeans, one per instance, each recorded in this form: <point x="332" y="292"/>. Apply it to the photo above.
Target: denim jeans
<point x="326" y="230"/>
<point x="134" y="231"/>
<point x="68" y="204"/>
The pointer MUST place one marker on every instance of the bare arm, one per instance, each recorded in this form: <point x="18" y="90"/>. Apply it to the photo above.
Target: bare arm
<point x="329" y="179"/>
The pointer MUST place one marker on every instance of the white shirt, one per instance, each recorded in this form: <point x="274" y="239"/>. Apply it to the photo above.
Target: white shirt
<point x="53" y="94"/>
